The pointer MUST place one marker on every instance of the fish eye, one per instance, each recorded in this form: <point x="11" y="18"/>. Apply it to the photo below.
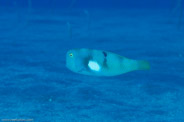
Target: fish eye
<point x="71" y="54"/>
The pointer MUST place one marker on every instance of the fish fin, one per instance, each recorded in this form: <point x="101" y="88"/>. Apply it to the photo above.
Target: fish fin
<point x="143" y="65"/>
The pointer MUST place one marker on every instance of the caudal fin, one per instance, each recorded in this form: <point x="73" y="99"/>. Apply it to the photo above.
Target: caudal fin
<point x="143" y="65"/>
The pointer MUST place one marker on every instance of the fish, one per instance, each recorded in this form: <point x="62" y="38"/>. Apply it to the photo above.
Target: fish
<point x="101" y="63"/>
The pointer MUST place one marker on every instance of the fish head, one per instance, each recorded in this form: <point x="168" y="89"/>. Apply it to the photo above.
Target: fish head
<point x="73" y="60"/>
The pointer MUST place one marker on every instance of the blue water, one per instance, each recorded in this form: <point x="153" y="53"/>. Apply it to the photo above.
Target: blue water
<point x="36" y="86"/>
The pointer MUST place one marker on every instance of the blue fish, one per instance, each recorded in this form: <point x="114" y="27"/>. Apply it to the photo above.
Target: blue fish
<point x="101" y="63"/>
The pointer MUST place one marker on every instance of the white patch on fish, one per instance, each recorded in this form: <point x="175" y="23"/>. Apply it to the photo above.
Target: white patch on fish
<point x="94" y="66"/>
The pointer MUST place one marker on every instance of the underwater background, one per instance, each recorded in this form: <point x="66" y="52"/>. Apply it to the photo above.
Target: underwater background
<point x="35" y="84"/>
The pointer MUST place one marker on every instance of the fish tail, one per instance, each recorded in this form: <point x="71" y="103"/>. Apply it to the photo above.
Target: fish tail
<point x="143" y="65"/>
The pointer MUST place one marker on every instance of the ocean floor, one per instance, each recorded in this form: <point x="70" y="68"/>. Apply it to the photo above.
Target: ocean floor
<point x="35" y="84"/>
